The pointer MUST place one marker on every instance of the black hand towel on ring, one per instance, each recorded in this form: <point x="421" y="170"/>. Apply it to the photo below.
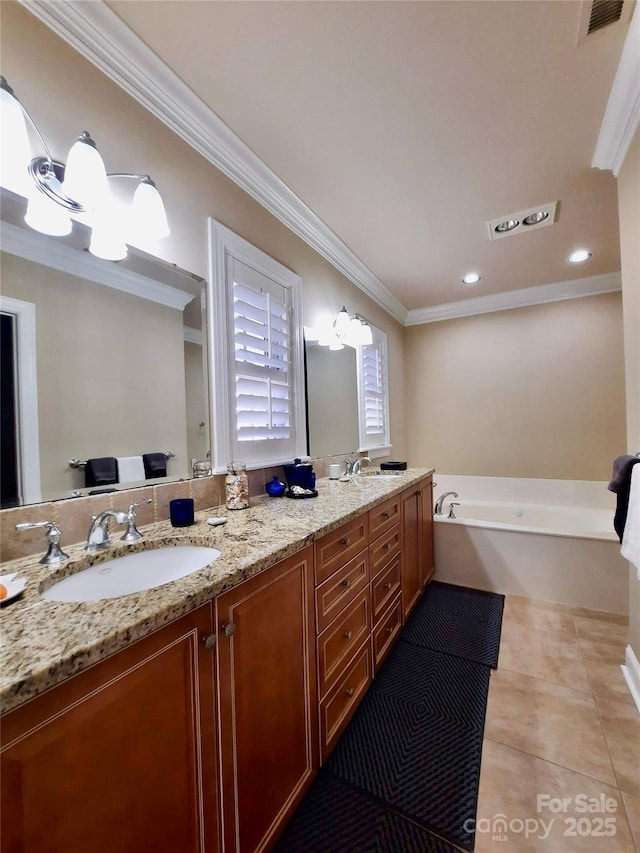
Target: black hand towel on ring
<point x="155" y="465"/>
<point x="621" y="485"/>
<point x="101" y="472"/>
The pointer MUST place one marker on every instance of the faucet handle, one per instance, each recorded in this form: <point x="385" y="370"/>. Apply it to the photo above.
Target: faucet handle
<point x="55" y="555"/>
<point x="132" y="534"/>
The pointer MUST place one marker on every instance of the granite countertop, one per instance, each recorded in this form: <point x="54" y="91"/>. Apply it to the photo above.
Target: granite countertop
<point x="44" y="642"/>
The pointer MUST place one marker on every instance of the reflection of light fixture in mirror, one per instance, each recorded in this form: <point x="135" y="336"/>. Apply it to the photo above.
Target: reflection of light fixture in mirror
<point x="350" y="330"/>
<point x="56" y="191"/>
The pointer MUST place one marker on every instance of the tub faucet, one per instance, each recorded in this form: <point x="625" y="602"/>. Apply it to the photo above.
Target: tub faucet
<point x="357" y="465"/>
<point x="440" y="501"/>
<point x="98" y="536"/>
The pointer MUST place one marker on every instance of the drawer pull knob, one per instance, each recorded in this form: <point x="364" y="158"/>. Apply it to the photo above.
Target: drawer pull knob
<point x="385" y="514"/>
<point x="210" y="641"/>
<point x="349" y="692"/>
<point x="387" y="546"/>
<point x="347" y="583"/>
<point x="387" y="586"/>
<point x="346" y="542"/>
<point x="348" y="635"/>
<point x="229" y="629"/>
<point x="389" y="630"/>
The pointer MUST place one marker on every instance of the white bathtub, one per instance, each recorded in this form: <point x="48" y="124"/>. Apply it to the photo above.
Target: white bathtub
<point x="551" y="551"/>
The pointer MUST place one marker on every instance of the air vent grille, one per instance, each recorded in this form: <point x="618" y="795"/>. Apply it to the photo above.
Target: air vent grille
<point x="604" y="12"/>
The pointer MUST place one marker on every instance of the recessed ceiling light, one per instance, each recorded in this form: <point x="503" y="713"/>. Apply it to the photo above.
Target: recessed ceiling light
<point x="507" y="225"/>
<point x="471" y="278"/>
<point x="579" y="256"/>
<point x="535" y="218"/>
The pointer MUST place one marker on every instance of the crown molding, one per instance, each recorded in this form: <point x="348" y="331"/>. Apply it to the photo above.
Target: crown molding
<point x="556" y="292"/>
<point x="192" y="336"/>
<point x="622" y="114"/>
<point x="52" y="253"/>
<point x="101" y="37"/>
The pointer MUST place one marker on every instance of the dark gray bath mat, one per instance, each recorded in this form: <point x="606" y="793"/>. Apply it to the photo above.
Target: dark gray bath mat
<point x="459" y="621"/>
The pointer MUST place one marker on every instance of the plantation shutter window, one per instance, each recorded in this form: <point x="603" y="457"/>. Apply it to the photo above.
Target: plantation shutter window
<point x="373" y="394"/>
<point x="257" y="372"/>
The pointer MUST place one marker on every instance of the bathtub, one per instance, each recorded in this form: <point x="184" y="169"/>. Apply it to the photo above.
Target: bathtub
<point x="557" y="551"/>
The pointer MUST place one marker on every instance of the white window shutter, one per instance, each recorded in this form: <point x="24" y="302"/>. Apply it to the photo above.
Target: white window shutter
<point x="373" y="393"/>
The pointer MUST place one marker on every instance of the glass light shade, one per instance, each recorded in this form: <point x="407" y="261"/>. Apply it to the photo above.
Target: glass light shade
<point x="326" y="336"/>
<point x="15" y="147"/>
<point x="366" y="336"/>
<point x="342" y="322"/>
<point x="46" y="216"/>
<point x="336" y="346"/>
<point x="107" y="235"/>
<point x="148" y="216"/>
<point x="85" y="177"/>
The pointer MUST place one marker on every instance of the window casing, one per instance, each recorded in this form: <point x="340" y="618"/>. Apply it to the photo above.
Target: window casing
<point x="256" y="356"/>
<point x="373" y="395"/>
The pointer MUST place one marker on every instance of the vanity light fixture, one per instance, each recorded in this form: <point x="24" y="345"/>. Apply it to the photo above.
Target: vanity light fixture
<point x="347" y="329"/>
<point x="57" y="192"/>
<point x="579" y="256"/>
<point x="471" y="278"/>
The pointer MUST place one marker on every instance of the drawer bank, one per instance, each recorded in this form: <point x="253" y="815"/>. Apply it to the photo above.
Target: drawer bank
<point x="195" y="718"/>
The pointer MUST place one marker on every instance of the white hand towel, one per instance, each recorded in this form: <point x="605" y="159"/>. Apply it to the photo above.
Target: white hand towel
<point x="130" y="469"/>
<point x="630" y="548"/>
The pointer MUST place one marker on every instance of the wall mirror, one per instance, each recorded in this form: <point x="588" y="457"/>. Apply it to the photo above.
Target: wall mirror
<point x="105" y="360"/>
<point x="332" y="400"/>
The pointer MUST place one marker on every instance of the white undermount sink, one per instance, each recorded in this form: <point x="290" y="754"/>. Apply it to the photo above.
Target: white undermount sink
<point x="132" y="573"/>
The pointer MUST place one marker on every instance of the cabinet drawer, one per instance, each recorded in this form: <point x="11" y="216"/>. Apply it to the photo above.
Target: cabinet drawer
<point x="384" y="516"/>
<point x="384" y="549"/>
<point x="338" y="707"/>
<point x="385" y="588"/>
<point x="338" y="643"/>
<point x="344" y="585"/>
<point x="338" y="547"/>
<point x="385" y="634"/>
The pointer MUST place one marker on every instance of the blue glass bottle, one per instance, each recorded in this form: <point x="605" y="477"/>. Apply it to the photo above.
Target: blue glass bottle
<point x="275" y="488"/>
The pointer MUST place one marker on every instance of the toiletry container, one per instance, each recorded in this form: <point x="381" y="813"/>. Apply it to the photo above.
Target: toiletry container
<point x="275" y="488"/>
<point x="236" y="486"/>
<point x="300" y="474"/>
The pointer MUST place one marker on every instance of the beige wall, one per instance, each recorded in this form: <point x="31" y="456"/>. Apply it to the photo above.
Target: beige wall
<point x="629" y="207"/>
<point x="66" y="94"/>
<point x="105" y="388"/>
<point x="530" y="392"/>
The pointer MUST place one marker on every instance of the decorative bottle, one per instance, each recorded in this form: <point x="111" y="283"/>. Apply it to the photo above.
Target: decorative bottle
<point x="236" y="485"/>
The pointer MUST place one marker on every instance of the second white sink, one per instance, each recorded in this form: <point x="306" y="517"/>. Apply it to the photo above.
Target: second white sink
<point x="132" y="573"/>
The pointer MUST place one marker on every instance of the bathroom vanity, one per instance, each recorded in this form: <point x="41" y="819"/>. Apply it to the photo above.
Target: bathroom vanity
<point x="204" y="732"/>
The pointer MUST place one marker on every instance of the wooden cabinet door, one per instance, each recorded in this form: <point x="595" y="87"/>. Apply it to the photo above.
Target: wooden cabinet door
<point x="120" y="758"/>
<point x="410" y="562"/>
<point x="426" y="531"/>
<point x="267" y="700"/>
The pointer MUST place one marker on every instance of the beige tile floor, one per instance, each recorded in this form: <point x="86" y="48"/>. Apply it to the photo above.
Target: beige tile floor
<point x="561" y="754"/>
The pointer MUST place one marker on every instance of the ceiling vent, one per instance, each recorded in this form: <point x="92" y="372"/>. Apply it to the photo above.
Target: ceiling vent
<point x="523" y="220"/>
<point x="604" y="12"/>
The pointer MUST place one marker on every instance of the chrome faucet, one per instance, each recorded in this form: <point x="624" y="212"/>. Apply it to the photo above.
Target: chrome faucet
<point x="356" y="466"/>
<point x="438" y="507"/>
<point x="98" y="537"/>
<point x="55" y="555"/>
<point x="132" y="534"/>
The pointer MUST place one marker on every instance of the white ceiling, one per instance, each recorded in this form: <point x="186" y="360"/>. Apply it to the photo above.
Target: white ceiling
<point x="405" y="126"/>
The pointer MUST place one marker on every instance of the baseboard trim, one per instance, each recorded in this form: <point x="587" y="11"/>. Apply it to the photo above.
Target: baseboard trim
<point x="631" y="671"/>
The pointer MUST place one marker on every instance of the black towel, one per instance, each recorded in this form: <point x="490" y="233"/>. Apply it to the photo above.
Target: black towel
<point x="621" y="485"/>
<point x="101" y="472"/>
<point x="155" y="465"/>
